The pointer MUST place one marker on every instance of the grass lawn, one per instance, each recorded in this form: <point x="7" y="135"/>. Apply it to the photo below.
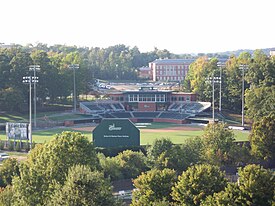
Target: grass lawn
<point x="4" y="117"/>
<point x="177" y="137"/>
<point x="146" y="136"/>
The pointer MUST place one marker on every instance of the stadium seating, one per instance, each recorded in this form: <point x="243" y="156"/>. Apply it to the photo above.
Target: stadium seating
<point x="100" y="107"/>
<point x="111" y="109"/>
<point x="145" y="114"/>
<point x="173" y="115"/>
<point x="122" y="114"/>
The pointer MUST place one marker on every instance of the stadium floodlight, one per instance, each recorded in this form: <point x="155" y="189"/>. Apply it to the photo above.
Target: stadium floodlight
<point x="74" y="67"/>
<point x="34" y="68"/>
<point x="243" y="67"/>
<point x="30" y="80"/>
<point x="213" y="80"/>
<point x="220" y="65"/>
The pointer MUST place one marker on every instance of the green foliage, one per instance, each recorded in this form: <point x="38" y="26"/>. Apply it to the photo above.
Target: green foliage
<point x="260" y="101"/>
<point x="6" y="196"/>
<point x="18" y="146"/>
<point x="154" y="187"/>
<point x="8" y="170"/>
<point x="10" y="145"/>
<point x="262" y="138"/>
<point x="114" y="151"/>
<point x="131" y="163"/>
<point x="110" y="167"/>
<point x="232" y="84"/>
<point x="47" y="166"/>
<point x="230" y="196"/>
<point x="163" y="154"/>
<point x="255" y="186"/>
<point x="196" y="77"/>
<point x="218" y="144"/>
<point x="83" y="187"/>
<point x="127" y="164"/>
<point x="196" y="183"/>
<point x="159" y="146"/>
<point x="261" y="71"/>
<point x="27" y="146"/>
<point x="2" y="145"/>
<point x="11" y="99"/>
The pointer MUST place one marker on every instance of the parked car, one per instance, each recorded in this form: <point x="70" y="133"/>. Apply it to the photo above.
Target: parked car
<point x="3" y="156"/>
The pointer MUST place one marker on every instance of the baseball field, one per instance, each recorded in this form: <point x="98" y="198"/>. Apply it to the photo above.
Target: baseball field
<point x="148" y="132"/>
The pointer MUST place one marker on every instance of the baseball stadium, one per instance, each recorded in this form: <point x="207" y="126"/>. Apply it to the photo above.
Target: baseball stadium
<point x="147" y="104"/>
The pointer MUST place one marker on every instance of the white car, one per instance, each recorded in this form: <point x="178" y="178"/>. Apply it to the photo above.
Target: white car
<point x="3" y="156"/>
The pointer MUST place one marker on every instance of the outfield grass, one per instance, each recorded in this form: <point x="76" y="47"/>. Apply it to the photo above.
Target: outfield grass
<point x="146" y="136"/>
<point x="177" y="137"/>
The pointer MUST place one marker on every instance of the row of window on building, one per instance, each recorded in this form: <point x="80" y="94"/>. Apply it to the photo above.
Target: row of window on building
<point x="147" y="97"/>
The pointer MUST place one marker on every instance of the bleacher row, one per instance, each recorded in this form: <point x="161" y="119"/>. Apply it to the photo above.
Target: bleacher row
<point x="96" y="107"/>
<point x="117" y="110"/>
<point x="145" y="115"/>
<point x="189" y="107"/>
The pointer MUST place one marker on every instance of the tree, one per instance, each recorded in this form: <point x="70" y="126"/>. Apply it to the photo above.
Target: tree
<point x="262" y="138"/>
<point x="260" y="101"/>
<point x="8" y="170"/>
<point x="232" y="85"/>
<point x="153" y="186"/>
<point x="47" y="166"/>
<point x="163" y="154"/>
<point x="196" y="77"/>
<point x="11" y="99"/>
<point x="218" y="143"/>
<point x="196" y="183"/>
<point x="84" y="187"/>
<point x="159" y="148"/>
<point x="131" y="163"/>
<point x="110" y="167"/>
<point x="230" y="196"/>
<point x="261" y="71"/>
<point x="255" y="186"/>
<point x="6" y="196"/>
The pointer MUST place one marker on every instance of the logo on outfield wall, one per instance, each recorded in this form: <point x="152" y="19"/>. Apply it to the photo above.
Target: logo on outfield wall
<point x="116" y="133"/>
<point x="112" y="127"/>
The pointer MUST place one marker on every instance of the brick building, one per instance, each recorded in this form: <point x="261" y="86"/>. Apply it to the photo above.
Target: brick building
<point x="170" y="69"/>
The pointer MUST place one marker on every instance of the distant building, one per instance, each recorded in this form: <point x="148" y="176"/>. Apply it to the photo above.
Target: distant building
<point x="145" y="73"/>
<point x="170" y="69"/>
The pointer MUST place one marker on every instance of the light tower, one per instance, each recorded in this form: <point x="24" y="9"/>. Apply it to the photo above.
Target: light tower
<point x="243" y="67"/>
<point x="30" y="80"/>
<point x="34" y="68"/>
<point x="213" y="80"/>
<point x="74" y="67"/>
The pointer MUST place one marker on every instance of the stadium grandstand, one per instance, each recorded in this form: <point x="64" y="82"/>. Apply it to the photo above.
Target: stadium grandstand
<point x="147" y="104"/>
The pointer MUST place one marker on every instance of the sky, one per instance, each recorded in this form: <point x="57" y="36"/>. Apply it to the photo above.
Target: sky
<point x="180" y="26"/>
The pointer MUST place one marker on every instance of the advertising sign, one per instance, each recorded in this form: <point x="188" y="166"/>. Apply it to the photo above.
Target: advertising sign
<point x="116" y="133"/>
<point x="17" y="131"/>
